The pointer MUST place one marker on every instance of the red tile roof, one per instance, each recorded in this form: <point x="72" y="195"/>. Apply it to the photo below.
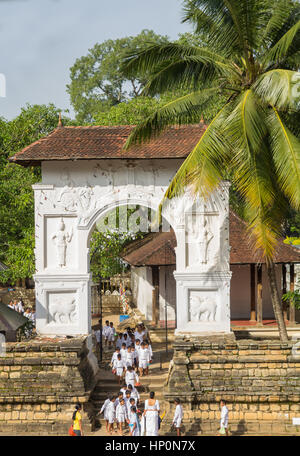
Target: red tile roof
<point x="98" y="142"/>
<point x="157" y="249"/>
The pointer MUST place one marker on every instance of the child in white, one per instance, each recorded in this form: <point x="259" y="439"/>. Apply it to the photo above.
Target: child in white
<point x="148" y="346"/>
<point x="121" y="414"/>
<point x="131" y="378"/>
<point x="111" y="414"/>
<point x="114" y="356"/>
<point x="224" y="416"/>
<point x="123" y="390"/>
<point x="119" y="341"/>
<point x="177" y="416"/>
<point x="119" y="366"/>
<point x="144" y="359"/>
<point x="123" y="352"/>
<point x="126" y="340"/>
<point x="134" y="393"/>
<point x="129" y="357"/>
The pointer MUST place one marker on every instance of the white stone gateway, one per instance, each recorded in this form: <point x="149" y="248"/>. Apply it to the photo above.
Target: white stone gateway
<point x="76" y="191"/>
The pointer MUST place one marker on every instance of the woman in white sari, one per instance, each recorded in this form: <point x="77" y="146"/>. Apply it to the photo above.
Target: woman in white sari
<point x="151" y="414"/>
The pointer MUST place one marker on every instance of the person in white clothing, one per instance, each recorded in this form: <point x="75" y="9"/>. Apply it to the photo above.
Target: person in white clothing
<point x="111" y="414"/>
<point x="178" y="417"/>
<point x="104" y="411"/>
<point x="106" y="332"/>
<point x="131" y="378"/>
<point x="20" y="307"/>
<point x="123" y="352"/>
<point x="139" y="334"/>
<point x="148" y="346"/>
<point x="119" y="341"/>
<point x="117" y="401"/>
<point x="114" y="356"/>
<point x="121" y="415"/>
<point x="129" y="357"/>
<point x="134" y="393"/>
<point x="119" y="367"/>
<point x="144" y="360"/>
<point x="224" y="416"/>
<point x="126" y="340"/>
<point x="134" y="423"/>
<point x="151" y="413"/>
<point x="111" y="334"/>
<point x="123" y="389"/>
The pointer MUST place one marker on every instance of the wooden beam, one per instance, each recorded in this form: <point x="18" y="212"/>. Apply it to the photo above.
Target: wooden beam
<point x="155" y="295"/>
<point x="259" y="310"/>
<point x="284" y="305"/>
<point x="252" y="293"/>
<point x="292" y="288"/>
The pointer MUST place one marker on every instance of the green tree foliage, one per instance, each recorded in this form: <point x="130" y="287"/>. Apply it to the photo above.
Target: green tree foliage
<point x="16" y="194"/>
<point x="97" y="83"/>
<point x="248" y="51"/>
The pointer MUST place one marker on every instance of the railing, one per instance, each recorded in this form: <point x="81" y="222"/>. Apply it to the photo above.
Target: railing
<point x="110" y="297"/>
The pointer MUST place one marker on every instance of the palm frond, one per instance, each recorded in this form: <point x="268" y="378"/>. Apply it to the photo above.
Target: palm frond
<point x="280" y="50"/>
<point x="145" y="60"/>
<point x="203" y="170"/>
<point x="183" y="110"/>
<point x="280" y="13"/>
<point x="189" y="71"/>
<point x="247" y="131"/>
<point x="275" y="87"/>
<point x="286" y="155"/>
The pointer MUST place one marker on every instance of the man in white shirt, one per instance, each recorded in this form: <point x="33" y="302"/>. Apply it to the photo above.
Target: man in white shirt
<point x="224" y="416"/>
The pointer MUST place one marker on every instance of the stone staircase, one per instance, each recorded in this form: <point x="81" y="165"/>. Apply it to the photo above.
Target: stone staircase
<point x="107" y="384"/>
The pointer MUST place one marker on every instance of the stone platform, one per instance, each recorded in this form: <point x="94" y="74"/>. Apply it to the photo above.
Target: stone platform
<point x="40" y="383"/>
<point x="260" y="381"/>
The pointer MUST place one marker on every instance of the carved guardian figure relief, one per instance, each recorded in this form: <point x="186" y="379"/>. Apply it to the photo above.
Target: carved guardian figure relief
<point x="61" y="239"/>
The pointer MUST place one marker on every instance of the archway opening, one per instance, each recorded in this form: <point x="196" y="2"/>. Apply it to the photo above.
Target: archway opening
<point x="132" y="259"/>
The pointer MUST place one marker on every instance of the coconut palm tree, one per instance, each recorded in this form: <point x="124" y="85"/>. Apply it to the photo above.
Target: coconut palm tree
<point x="250" y="53"/>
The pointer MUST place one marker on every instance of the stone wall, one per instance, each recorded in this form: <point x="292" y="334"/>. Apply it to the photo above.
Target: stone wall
<point x="40" y="383"/>
<point x="259" y="380"/>
<point x="27" y="294"/>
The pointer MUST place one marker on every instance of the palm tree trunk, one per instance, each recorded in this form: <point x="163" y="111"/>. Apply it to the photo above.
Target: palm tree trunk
<point x="276" y="302"/>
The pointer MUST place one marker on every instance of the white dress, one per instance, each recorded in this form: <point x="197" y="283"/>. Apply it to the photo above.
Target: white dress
<point x="151" y="418"/>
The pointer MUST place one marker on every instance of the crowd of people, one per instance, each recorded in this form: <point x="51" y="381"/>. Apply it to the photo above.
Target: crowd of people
<point x="130" y="361"/>
<point x="123" y="412"/>
<point x="19" y="307"/>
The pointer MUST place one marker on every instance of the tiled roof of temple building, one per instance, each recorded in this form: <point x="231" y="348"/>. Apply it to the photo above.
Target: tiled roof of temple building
<point x="98" y="142"/>
<point x="157" y="249"/>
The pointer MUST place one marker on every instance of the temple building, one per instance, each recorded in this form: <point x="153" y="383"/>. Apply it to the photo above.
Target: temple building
<point x="153" y="261"/>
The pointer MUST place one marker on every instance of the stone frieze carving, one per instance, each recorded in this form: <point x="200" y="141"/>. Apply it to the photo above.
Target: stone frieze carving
<point x="202" y="308"/>
<point x="63" y="309"/>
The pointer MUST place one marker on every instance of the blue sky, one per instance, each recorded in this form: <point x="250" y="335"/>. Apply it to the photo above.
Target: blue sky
<point x="41" y="39"/>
